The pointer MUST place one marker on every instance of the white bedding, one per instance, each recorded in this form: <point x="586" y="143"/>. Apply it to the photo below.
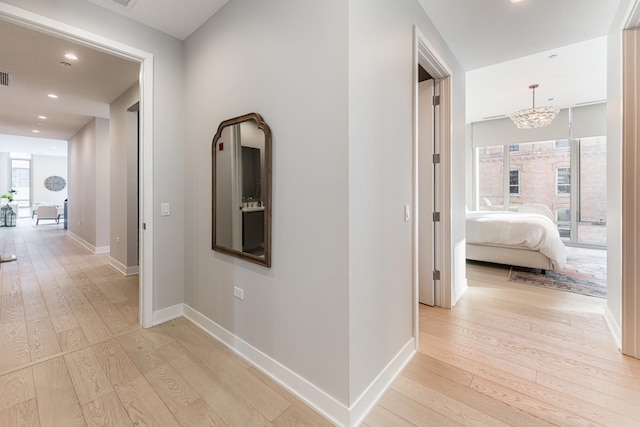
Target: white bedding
<point x="515" y="229"/>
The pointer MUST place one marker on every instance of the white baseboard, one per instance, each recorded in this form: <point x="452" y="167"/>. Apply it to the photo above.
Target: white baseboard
<point x="614" y="327"/>
<point x="333" y="410"/>
<point x="369" y="398"/>
<point x="167" y="314"/>
<point x="123" y="269"/>
<point x="89" y="246"/>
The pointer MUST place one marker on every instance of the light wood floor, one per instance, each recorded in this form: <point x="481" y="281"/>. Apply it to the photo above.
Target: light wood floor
<point x="514" y="355"/>
<point x="71" y="353"/>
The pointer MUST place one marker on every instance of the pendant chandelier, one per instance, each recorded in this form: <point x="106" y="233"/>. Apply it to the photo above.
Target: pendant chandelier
<point x="535" y="117"/>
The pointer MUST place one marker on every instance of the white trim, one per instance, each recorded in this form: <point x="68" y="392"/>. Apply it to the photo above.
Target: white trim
<point x="169" y="313"/>
<point x="60" y="29"/>
<point x="369" y="398"/>
<point x="615" y="329"/>
<point x="123" y="269"/>
<point x="87" y="245"/>
<point x="426" y="54"/>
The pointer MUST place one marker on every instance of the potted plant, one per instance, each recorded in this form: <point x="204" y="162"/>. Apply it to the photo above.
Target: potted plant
<point x="8" y="196"/>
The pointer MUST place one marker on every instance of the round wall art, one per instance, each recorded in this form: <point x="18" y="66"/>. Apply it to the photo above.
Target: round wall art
<point x="55" y="183"/>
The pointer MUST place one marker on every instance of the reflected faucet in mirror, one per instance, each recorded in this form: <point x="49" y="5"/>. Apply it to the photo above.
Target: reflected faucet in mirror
<point x="241" y="158"/>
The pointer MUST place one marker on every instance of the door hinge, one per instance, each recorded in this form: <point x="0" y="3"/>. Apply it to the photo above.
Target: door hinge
<point x="436" y="216"/>
<point x="436" y="100"/>
<point x="436" y="158"/>
<point x="144" y="225"/>
<point x="436" y="274"/>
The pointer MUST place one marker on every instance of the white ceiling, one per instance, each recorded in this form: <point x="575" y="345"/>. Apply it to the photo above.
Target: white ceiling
<point x="85" y="88"/>
<point x="505" y="45"/>
<point x="176" y="18"/>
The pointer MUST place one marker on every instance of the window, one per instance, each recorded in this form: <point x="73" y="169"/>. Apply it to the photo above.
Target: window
<point x="514" y="182"/>
<point x="563" y="181"/>
<point x="514" y="148"/>
<point x="562" y="143"/>
<point x="563" y="219"/>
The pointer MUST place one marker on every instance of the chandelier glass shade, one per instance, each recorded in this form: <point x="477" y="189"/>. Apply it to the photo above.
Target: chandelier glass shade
<point x="535" y="117"/>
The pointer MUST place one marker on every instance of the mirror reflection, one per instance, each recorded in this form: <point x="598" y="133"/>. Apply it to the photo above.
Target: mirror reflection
<point x="241" y="152"/>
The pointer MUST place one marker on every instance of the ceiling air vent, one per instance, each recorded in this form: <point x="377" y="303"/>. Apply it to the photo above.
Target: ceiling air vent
<point x="125" y="3"/>
<point x="5" y="79"/>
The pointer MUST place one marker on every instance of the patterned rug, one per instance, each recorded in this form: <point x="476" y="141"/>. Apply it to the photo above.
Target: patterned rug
<point x="585" y="273"/>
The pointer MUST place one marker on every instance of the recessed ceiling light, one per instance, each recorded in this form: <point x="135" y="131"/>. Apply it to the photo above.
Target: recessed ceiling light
<point x="42" y="117"/>
<point x="516" y="1"/>
<point x="53" y="95"/>
<point x="35" y="131"/>
<point x="71" y="56"/>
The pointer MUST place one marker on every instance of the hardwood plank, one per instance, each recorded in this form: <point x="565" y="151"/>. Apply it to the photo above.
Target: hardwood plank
<point x="254" y="391"/>
<point x="10" y="284"/>
<point x="57" y="402"/>
<point x="544" y="411"/>
<point x="16" y="387"/>
<point x="14" y="345"/>
<point x="142" y="404"/>
<point x="447" y="406"/>
<point x="87" y="376"/>
<point x="24" y="414"/>
<point x="94" y="328"/>
<point x="198" y="414"/>
<point x="156" y="336"/>
<point x="382" y="417"/>
<point x="220" y="396"/>
<point x="461" y="392"/>
<point x="72" y="339"/>
<point x="170" y="386"/>
<point x="34" y="306"/>
<point x="412" y="411"/>
<point x="314" y="417"/>
<point x="43" y="340"/>
<point x="11" y="309"/>
<point x="106" y="411"/>
<point x="61" y="315"/>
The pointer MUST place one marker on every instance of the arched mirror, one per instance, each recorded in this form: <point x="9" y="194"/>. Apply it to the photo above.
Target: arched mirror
<point x="241" y="156"/>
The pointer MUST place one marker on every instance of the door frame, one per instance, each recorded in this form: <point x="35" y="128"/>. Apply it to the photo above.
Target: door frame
<point x="145" y="199"/>
<point x="425" y="54"/>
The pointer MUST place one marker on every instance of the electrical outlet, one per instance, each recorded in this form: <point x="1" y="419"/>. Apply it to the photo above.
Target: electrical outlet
<point x="118" y="240"/>
<point x="238" y="293"/>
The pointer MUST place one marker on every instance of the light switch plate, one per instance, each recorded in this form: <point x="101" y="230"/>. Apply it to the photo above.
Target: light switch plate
<point x="407" y="213"/>
<point x="165" y="209"/>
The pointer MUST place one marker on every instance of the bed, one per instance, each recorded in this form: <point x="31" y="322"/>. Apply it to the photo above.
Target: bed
<point x="514" y="238"/>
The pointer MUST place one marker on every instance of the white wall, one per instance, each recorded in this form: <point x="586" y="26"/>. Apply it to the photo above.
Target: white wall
<point x="168" y="102"/>
<point x="288" y="62"/>
<point x="381" y="178"/>
<point x="44" y="167"/>
<point x="123" y="152"/>
<point x="87" y="209"/>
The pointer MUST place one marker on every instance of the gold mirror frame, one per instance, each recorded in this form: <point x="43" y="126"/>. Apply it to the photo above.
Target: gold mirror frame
<point x="264" y="259"/>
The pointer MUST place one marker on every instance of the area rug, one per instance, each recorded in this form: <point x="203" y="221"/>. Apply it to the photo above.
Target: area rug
<point x="584" y="274"/>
